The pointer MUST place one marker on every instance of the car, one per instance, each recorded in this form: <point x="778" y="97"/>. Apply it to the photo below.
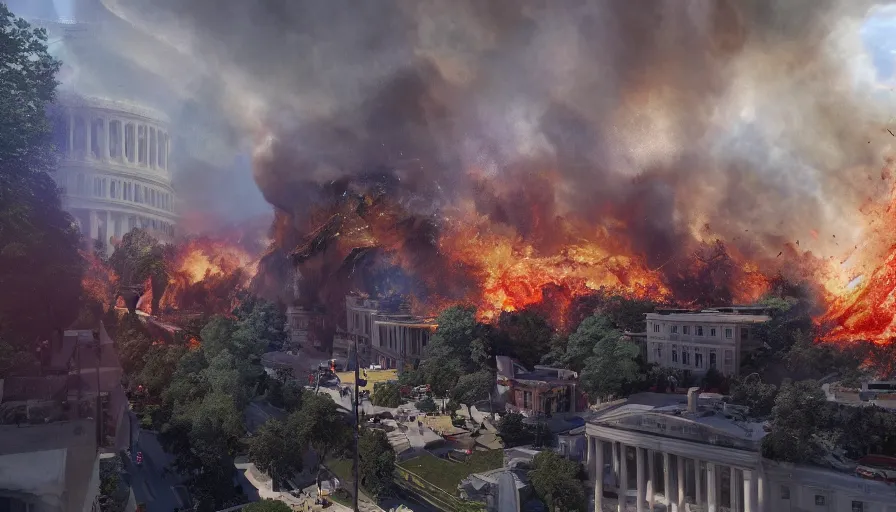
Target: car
<point x="139" y="458"/>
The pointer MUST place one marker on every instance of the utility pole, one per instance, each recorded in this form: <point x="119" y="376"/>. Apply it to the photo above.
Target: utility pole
<point x="357" y="432"/>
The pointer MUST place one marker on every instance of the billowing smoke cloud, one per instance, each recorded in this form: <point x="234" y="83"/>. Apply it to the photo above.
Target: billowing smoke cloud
<point x="663" y="122"/>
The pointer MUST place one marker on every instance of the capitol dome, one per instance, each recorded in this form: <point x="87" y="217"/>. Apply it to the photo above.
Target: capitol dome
<point x="113" y="140"/>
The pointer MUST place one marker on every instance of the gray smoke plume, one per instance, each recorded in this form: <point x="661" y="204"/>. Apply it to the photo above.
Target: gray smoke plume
<point x="671" y="122"/>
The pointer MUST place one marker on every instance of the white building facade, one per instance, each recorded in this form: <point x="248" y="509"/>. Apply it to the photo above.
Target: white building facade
<point x="670" y="459"/>
<point x="700" y="341"/>
<point x="114" y="168"/>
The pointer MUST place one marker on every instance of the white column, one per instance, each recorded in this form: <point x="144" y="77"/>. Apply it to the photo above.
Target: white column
<point x="588" y="450"/>
<point x="680" y="478"/>
<point x="598" y="475"/>
<point x="711" y="486"/>
<point x="121" y="156"/>
<point x="749" y="491"/>
<point x="698" y="483"/>
<point x="88" y="137"/>
<point x="639" y="471"/>
<point x="760" y="495"/>
<point x="651" y="480"/>
<point x="667" y="481"/>
<point x="615" y="461"/>
<point x="735" y="503"/>
<point x="108" y="234"/>
<point x="623" y="478"/>
<point x="94" y="228"/>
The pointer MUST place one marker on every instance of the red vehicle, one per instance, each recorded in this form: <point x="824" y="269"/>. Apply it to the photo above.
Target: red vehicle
<point x="139" y="458"/>
<point x="877" y="467"/>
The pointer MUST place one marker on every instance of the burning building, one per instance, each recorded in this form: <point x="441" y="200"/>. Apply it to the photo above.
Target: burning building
<point x="114" y="168"/>
<point x="528" y="154"/>
<point x="384" y="332"/>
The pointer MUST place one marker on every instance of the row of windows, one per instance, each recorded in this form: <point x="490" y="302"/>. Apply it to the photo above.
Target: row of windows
<point x="697" y="352"/>
<point x="126" y="191"/>
<point x="700" y="330"/>
<point x="134" y="143"/>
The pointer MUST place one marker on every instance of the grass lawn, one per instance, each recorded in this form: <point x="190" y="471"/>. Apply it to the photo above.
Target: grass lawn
<point x="446" y="475"/>
<point x="373" y="376"/>
<point x="342" y="468"/>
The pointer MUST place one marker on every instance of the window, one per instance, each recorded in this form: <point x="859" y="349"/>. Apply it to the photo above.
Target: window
<point x="527" y="399"/>
<point x="674" y="355"/>
<point x="729" y="358"/>
<point x="656" y="327"/>
<point x="712" y="358"/>
<point x="659" y="352"/>
<point x="685" y="329"/>
<point x="698" y="330"/>
<point x="698" y="358"/>
<point x="712" y="332"/>
<point x="728" y="332"/>
<point x="819" y="500"/>
<point x="858" y="506"/>
<point x="685" y="356"/>
<point x="115" y="139"/>
<point x="130" y="142"/>
<point x="785" y="492"/>
<point x="674" y="329"/>
<point x="744" y="333"/>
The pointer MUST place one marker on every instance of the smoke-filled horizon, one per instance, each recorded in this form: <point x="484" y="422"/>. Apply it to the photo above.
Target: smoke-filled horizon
<point x="652" y="127"/>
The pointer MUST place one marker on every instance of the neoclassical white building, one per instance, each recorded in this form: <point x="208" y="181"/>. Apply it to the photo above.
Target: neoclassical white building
<point x="114" y="144"/>
<point x="114" y="167"/>
<point x="659" y="454"/>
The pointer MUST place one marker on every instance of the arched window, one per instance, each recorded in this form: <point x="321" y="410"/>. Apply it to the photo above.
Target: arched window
<point x="96" y="138"/>
<point x="81" y="186"/>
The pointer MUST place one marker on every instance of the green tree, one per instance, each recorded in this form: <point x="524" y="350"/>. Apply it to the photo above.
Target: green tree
<point x="137" y="258"/>
<point x="555" y="481"/>
<point x="795" y="422"/>
<point x="320" y="423"/>
<point x="386" y="394"/>
<point x="160" y="362"/>
<point x="426" y="405"/>
<point x="39" y="258"/>
<point x="526" y="336"/>
<point x="377" y="465"/>
<point x="609" y="364"/>
<point x="513" y="431"/>
<point x="263" y="321"/>
<point x="473" y="387"/>
<point x="755" y="394"/>
<point x="267" y="506"/>
<point x="275" y="450"/>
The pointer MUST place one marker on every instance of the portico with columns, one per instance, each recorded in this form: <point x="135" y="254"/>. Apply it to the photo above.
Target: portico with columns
<point x="661" y="453"/>
<point x="662" y="474"/>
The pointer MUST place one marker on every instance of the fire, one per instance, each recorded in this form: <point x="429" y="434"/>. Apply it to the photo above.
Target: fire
<point x="205" y="274"/>
<point x="514" y="275"/>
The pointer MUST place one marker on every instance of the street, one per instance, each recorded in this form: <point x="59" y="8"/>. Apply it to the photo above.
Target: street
<point x="159" y="490"/>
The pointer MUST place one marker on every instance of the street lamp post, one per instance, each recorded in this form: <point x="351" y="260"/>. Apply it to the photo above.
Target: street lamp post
<point x="357" y="429"/>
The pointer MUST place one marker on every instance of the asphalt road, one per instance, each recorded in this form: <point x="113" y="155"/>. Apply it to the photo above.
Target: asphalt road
<point x="160" y="491"/>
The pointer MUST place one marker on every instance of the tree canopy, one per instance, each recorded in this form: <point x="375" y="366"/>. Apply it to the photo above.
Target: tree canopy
<point x="275" y="450"/>
<point x="377" y="465"/>
<point x="556" y="482"/>
<point x="39" y="242"/>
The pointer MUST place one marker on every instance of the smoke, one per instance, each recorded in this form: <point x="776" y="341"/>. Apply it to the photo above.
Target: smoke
<point x="670" y="124"/>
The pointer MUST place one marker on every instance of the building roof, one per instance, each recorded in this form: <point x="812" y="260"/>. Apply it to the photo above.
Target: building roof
<point x="712" y="414"/>
<point x="710" y="317"/>
<point x="405" y="320"/>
